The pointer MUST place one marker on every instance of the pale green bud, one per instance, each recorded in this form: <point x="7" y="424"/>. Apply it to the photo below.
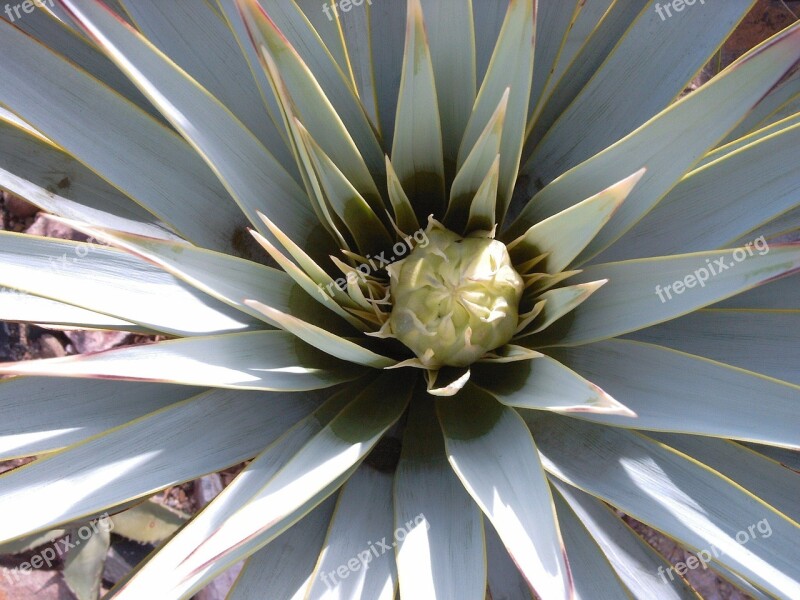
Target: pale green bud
<point x="454" y="299"/>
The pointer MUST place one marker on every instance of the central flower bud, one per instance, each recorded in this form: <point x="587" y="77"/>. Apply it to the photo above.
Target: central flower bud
<point x="454" y="298"/>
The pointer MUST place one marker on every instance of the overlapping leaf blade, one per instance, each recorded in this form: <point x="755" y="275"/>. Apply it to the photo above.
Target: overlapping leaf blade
<point x="417" y="144"/>
<point x="322" y="97"/>
<point x="640" y="292"/>
<point x="451" y="35"/>
<point x="162" y="568"/>
<point x="594" y="34"/>
<point x="282" y="569"/>
<point x="260" y="360"/>
<point x="143" y="456"/>
<point x="600" y="115"/>
<point x="352" y="209"/>
<point x="38" y="415"/>
<point x="560" y="302"/>
<point x="636" y="563"/>
<point x="672" y="494"/>
<point x="742" y="190"/>
<point x="55" y="182"/>
<point x="318" y="337"/>
<point x="591" y="570"/>
<point x="511" y="66"/>
<point x="475" y="166"/>
<point x="545" y="384"/>
<point x="774" y="484"/>
<point x="564" y="235"/>
<point x="114" y="283"/>
<point x="309" y="476"/>
<point x="673" y="391"/>
<point x="33" y="71"/>
<point x="363" y="514"/>
<point x="19" y="307"/>
<point x="442" y="556"/>
<point x="669" y="143"/>
<point x="253" y="177"/>
<point x="496" y="459"/>
<point x="60" y="34"/>
<point x="228" y="279"/>
<point x="198" y="40"/>
<point x="505" y="579"/>
<point x="717" y="334"/>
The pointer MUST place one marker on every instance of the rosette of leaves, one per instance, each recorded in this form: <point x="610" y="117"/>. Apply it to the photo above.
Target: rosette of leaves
<point x="176" y="133"/>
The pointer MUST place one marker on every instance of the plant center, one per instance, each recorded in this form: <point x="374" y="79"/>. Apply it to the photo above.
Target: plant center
<point x="454" y="299"/>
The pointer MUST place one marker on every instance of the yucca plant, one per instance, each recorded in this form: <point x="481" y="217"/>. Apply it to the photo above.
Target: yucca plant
<point x="492" y="297"/>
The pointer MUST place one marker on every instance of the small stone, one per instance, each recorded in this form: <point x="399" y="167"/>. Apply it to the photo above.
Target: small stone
<point x="22" y="209"/>
<point x="207" y="488"/>
<point x="123" y="556"/>
<point x="95" y="341"/>
<point x="33" y="584"/>
<point x="220" y="587"/>
<point x="48" y="346"/>
<point x="45" y="227"/>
